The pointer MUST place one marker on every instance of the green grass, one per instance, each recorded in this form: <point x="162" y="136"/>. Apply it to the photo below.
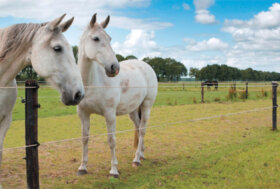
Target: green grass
<point x="238" y="151"/>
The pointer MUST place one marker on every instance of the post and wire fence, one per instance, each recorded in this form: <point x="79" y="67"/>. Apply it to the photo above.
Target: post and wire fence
<point x="31" y="125"/>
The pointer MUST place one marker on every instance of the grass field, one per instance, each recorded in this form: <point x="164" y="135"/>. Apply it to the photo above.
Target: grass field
<point x="238" y="151"/>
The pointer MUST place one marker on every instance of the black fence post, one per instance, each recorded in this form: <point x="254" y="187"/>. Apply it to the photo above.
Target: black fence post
<point x="202" y="92"/>
<point x="274" y="103"/>
<point x="31" y="133"/>
<point x="246" y="90"/>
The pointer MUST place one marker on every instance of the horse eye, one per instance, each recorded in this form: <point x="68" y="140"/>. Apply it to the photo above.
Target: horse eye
<point x="57" y="48"/>
<point x="96" y="39"/>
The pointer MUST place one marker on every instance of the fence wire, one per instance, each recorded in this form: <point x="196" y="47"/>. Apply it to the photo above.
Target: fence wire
<point x="159" y="86"/>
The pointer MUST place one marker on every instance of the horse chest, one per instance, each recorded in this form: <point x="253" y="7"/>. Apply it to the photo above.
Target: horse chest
<point x="91" y="105"/>
<point x="99" y="101"/>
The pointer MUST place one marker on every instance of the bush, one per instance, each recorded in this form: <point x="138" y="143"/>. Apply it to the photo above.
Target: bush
<point x="194" y="100"/>
<point x="264" y="93"/>
<point x="217" y="99"/>
<point x="242" y="95"/>
<point x="232" y="93"/>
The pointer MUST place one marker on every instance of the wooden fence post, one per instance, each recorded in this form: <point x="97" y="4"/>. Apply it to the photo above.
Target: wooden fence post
<point x="31" y="133"/>
<point x="246" y="90"/>
<point x="274" y="103"/>
<point x="202" y="92"/>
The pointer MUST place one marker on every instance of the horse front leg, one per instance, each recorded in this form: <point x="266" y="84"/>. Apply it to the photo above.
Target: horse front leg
<point x="85" y="121"/>
<point x="111" y="129"/>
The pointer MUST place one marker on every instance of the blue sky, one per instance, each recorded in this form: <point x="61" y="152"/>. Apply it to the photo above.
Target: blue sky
<point x="240" y="33"/>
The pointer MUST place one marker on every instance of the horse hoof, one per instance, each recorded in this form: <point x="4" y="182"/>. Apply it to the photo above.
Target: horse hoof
<point x="82" y="172"/>
<point x="114" y="176"/>
<point x="136" y="164"/>
<point x="142" y="158"/>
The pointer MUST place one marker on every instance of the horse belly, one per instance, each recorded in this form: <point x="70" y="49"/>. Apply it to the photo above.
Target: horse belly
<point x="128" y="105"/>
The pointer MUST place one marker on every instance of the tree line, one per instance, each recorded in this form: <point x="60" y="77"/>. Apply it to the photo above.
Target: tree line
<point x="168" y="69"/>
<point x="228" y="73"/>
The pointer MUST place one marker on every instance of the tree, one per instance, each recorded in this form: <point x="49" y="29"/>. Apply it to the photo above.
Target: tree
<point x="129" y="57"/>
<point x="120" y="57"/>
<point x="75" y="52"/>
<point x="167" y="69"/>
<point x="194" y="73"/>
<point x="28" y="73"/>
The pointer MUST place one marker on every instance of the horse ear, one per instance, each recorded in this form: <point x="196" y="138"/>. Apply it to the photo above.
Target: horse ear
<point x="53" y="24"/>
<point x="93" y="20"/>
<point x="65" y="25"/>
<point x="105" y="23"/>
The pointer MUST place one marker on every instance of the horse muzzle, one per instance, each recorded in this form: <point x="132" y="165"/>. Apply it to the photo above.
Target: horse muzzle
<point x="72" y="98"/>
<point x="113" y="70"/>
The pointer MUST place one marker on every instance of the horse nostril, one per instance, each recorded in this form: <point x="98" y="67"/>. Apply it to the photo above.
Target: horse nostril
<point x="113" y="68"/>
<point x="78" y="96"/>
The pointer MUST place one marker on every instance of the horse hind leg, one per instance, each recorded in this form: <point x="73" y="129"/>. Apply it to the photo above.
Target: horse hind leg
<point x="135" y="116"/>
<point x="145" y="114"/>
<point x="5" y="123"/>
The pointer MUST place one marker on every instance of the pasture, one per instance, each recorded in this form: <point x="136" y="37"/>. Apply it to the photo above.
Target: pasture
<point x="238" y="151"/>
<point x="169" y="94"/>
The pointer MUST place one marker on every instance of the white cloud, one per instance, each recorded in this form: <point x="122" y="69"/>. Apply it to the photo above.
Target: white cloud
<point x="139" y="43"/>
<point x="203" y="16"/>
<point x="186" y="6"/>
<point x="213" y="44"/>
<point x="257" y="41"/>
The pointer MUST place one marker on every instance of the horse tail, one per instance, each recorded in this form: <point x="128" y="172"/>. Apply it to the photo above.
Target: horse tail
<point x="136" y="133"/>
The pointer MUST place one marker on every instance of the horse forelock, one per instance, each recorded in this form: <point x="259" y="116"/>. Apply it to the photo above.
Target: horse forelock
<point x="17" y="38"/>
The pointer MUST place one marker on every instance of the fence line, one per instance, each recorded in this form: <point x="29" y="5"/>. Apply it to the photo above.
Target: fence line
<point x="229" y="86"/>
<point x="149" y="127"/>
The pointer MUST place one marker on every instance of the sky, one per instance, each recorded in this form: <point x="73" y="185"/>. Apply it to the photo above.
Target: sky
<point x="239" y="33"/>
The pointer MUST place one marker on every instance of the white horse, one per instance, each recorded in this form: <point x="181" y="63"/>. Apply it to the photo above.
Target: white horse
<point x="132" y="90"/>
<point x="45" y="47"/>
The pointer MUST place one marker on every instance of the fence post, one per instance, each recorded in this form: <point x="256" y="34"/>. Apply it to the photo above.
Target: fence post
<point x="31" y="133"/>
<point x="274" y="103"/>
<point x="202" y="92"/>
<point x="246" y="90"/>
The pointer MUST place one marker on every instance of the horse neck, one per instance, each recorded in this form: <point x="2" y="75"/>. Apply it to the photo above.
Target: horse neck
<point x="13" y="56"/>
<point x="91" y="73"/>
<point x="11" y="67"/>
